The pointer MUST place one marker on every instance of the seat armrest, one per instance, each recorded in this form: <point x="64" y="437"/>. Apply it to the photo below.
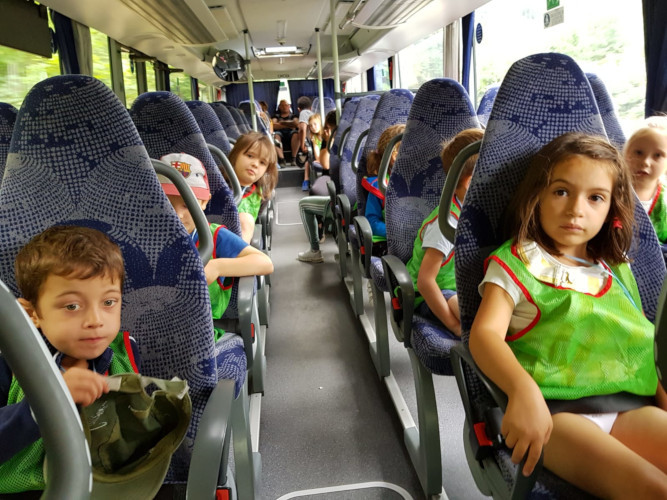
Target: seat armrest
<point x="246" y="302"/>
<point x="402" y="293"/>
<point x="343" y="211"/>
<point x="256" y="240"/>
<point x="491" y="416"/>
<point x="365" y="235"/>
<point x="209" y="442"/>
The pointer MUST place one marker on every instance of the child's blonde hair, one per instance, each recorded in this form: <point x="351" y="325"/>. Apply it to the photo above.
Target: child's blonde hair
<point x="262" y="144"/>
<point x="657" y="123"/>
<point x="523" y="213"/>
<point x="66" y="251"/>
<point x="316" y="117"/>
<point x="375" y="156"/>
<point x="453" y="147"/>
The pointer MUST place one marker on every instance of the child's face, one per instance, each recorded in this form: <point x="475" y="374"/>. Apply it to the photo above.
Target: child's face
<point x="251" y="166"/>
<point x="183" y="213"/>
<point x="646" y="156"/>
<point x="79" y="317"/>
<point x="314" y="126"/>
<point x="575" y="205"/>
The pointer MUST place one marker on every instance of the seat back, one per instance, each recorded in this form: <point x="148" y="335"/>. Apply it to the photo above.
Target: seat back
<point x="344" y="123"/>
<point x="240" y="120"/>
<point x="440" y="110"/>
<point x="527" y="114"/>
<point x="166" y="125"/>
<point x="360" y="123"/>
<point x="486" y="104"/>
<point x="606" y="106"/>
<point x="226" y="120"/>
<point x="7" y="119"/>
<point x="392" y="108"/>
<point x="244" y="106"/>
<point x="210" y="126"/>
<point x="94" y="171"/>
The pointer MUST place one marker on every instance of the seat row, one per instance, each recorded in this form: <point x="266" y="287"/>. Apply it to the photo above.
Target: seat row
<point x="541" y="97"/>
<point x="79" y="158"/>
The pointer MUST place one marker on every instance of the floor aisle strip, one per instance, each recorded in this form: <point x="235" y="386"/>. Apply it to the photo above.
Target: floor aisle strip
<point x="348" y="487"/>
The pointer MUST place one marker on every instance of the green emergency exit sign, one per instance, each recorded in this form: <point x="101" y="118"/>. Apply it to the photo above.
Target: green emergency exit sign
<point x="552" y="4"/>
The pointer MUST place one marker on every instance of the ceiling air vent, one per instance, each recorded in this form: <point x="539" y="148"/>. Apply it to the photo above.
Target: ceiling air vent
<point x="382" y="14"/>
<point x="187" y="22"/>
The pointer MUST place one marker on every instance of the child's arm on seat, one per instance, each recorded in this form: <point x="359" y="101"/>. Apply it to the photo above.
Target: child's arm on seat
<point x="374" y="215"/>
<point x="429" y="289"/>
<point x="527" y="423"/>
<point x="249" y="262"/>
<point x="247" y="222"/>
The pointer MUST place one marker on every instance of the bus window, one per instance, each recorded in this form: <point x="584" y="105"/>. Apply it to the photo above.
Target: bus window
<point x="129" y="79"/>
<point x="150" y="77"/>
<point x="604" y="37"/>
<point x="101" y="65"/>
<point x="421" y="61"/>
<point x="355" y="84"/>
<point x="19" y="71"/>
<point x="381" y="73"/>
<point x="179" y="84"/>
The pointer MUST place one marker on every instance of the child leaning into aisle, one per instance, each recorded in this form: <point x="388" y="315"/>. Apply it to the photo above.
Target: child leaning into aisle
<point x="646" y="155"/>
<point x="232" y="257"/>
<point x="561" y="330"/>
<point x="254" y="160"/>
<point x="70" y="279"/>
<point x="432" y="263"/>
<point x="375" y="201"/>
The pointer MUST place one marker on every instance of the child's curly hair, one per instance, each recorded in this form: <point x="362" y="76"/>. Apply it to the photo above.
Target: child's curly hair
<point x="375" y="156"/>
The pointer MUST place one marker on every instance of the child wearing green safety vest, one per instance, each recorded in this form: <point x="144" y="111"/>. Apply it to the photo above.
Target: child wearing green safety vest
<point x="254" y="160"/>
<point x="375" y="201"/>
<point x="232" y="257"/>
<point x="70" y="279"/>
<point x="561" y="330"/>
<point x="432" y="263"/>
<point x="646" y="155"/>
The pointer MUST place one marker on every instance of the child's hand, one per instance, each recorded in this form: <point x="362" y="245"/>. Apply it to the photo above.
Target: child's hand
<point x="211" y="272"/>
<point x="527" y="426"/>
<point x="84" y="385"/>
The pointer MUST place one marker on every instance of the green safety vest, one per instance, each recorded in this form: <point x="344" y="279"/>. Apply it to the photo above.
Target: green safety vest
<point x="579" y="344"/>
<point x="658" y="214"/>
<point x="25" y="470"/>
<point x="251" y="201"/>
<point x="446" y="277"/>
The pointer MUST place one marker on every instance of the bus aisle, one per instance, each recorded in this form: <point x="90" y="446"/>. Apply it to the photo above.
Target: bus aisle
<point x="327" y="420"/>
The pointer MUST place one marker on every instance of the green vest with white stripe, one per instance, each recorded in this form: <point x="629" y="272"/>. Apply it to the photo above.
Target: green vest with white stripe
<point x="580" y="344"/>
<point x="25" y="470"/>
<point x="446" y="277"/>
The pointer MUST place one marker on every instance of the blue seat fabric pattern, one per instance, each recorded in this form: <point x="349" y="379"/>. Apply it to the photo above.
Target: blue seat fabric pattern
<point x="7" y="118"/>
<point x="486" y="104"/>
<point x="440" y="110"/>
<point x="346" y="117"/>
<point x="77" y="152"/>
<point x="541" y="97"/>
<point x="166" y="125"/>
<point x="360" y="123"/>
<point x="210" y="125"/>
<point x="392" y="109"/>
<point x="606" y="106"/>
<point x="226" y="120"/>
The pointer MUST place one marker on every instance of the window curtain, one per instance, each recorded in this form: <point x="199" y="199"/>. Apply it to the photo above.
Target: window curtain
<point x="468" y="37"/>
<point x="655" y="48"/>
<point x="264" y="91"/>
<point x="370" y="79"/>
<point x="452" y="44"/>
<point x="65" y="45"/>
<point x="298" y="88"/>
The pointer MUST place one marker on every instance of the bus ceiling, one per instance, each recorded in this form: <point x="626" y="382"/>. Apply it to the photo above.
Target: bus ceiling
<point x="186" y="33"/>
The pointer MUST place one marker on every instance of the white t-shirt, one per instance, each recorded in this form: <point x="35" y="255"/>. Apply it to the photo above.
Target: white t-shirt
<point x="305" y="115"/>
<point x="547" y="269"/>
<point x="433" y="238"/>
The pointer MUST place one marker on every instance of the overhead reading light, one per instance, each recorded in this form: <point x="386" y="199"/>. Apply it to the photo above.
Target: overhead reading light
<point x="283" y="51"/>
